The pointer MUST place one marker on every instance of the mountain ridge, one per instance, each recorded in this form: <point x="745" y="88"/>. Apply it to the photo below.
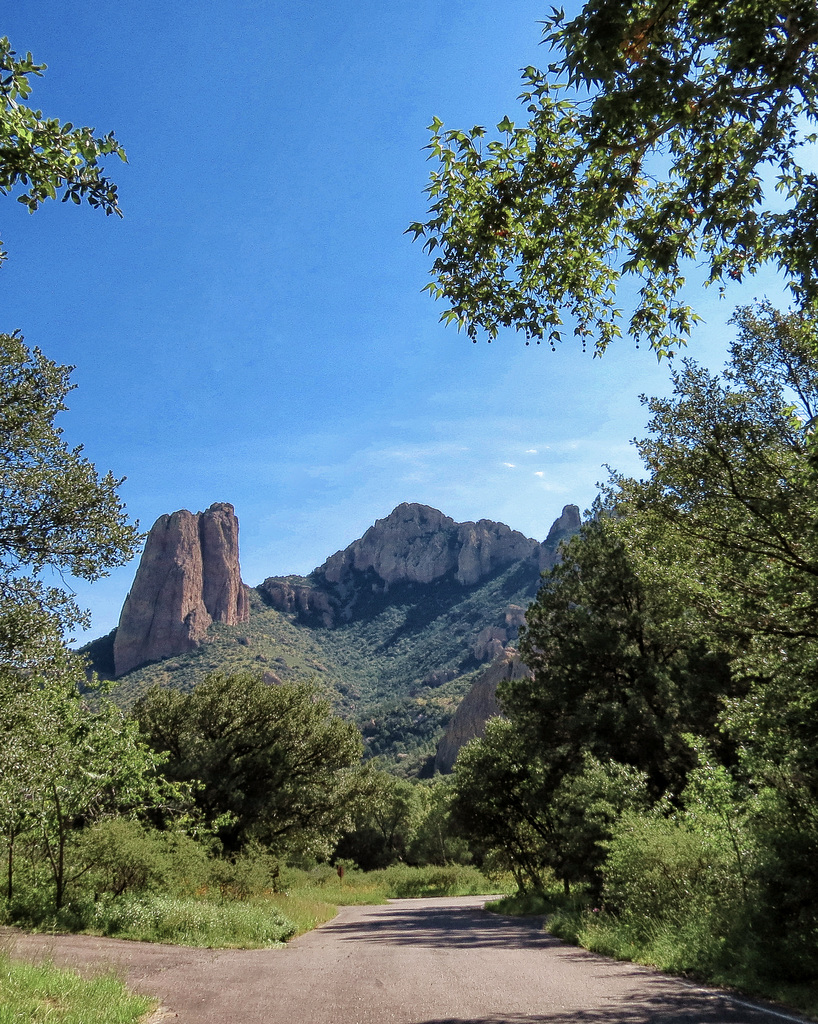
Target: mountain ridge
<point x="394" y="628"/>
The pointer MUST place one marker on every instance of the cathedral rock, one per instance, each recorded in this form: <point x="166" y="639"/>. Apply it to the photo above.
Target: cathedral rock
<point x="188" y="577"/>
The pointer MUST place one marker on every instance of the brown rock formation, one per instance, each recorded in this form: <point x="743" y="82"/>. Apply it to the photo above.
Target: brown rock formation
<point x="489" y="643"/>
<point x="292" y="597"/>
<point x="188" y="577"/>
<point x="476" y="708"/>
<point x="562" y="529"/>
<point x="418" y="544"/>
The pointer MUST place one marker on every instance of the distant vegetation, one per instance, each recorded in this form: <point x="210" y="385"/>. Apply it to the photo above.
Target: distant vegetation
<point x="399" y="668"/>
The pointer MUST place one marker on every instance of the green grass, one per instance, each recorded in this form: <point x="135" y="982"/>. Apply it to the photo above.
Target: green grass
<point x="521" y="904"/>
<point x="396" y="882"/>
<point x="240" y="924"/>
<point x="44" y="994"/>
<point x="267" y="918"/>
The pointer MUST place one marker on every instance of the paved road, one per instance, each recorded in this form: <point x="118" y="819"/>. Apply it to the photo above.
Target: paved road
<point x="425" y="961"/>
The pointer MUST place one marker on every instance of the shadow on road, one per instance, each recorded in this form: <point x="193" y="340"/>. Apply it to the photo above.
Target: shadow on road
<point x="692" y="1008"/>
<point x="457" y="928"/>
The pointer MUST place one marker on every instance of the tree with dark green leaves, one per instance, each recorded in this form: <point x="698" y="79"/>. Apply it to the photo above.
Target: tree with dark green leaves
<point x="731" y="477"/>
<point x="273" y="763"/>
<point x="500" y="804"/>
<point x="383" y="820"/>
<point x="67" y="762"/>
<point x="732" y="492"/>
<point x="656" y="138"/>
<point x="519" y="817"/>
<point x="618" y="670"/>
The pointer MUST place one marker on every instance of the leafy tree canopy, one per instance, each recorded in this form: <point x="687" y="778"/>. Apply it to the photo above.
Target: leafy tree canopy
<point x="42" y="158"/>
<point x="730" y="460"/>
<point x="655" y="138"/>
<point x="618" y="669"/>
<point x="67" y="762"/>
<point x="273" y="761"/>
<point x="55" y="510"/>
<point x="730" y="498"/>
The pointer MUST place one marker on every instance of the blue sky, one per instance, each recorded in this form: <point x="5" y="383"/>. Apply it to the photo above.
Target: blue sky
<point x="253" y="330"/>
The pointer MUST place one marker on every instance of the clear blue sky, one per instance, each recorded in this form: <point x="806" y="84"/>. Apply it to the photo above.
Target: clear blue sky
<point x="253" y="330"/>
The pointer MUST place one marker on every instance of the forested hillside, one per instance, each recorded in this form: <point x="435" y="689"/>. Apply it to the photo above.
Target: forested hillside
<point x="398" y="654"/>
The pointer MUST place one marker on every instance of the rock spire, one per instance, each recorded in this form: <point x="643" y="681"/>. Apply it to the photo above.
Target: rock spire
<point x="188" y="577"/>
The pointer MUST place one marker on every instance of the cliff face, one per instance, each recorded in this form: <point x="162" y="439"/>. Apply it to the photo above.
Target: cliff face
<point x="418" y="544"/>
<point x="188" y="577"/>
<point x="476" y="708"/>
<point x="562" y="529"/>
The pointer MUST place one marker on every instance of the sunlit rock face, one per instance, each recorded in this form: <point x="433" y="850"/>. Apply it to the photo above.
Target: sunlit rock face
<point x="418" y="544"/>
<point x="188" y="578"/>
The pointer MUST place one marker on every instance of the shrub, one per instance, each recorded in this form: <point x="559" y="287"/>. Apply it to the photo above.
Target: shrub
<point x="124" y="856"/>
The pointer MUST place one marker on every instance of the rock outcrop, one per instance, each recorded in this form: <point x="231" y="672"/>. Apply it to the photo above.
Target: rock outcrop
<point x="477" y="707"/>
<point x="418" y="544"/>
<point x="188" y="577"/>
<point x="562" y="529"/>
<point x="294" y="597"/>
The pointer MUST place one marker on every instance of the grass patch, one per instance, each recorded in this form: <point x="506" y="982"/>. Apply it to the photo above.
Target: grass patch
<point x="263" y="918"/>
<point x="313" y="897"/>
<point x="400" y="881"/>
<point x="521" y="904"/>
<point x="303" y="910"/>
<point x="44" y="994"/>
<point x="240" y="924"/>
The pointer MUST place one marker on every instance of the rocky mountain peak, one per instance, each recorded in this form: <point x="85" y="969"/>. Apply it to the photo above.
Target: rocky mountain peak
<point x="418" y="544"/>
<point x="188" y="577"/>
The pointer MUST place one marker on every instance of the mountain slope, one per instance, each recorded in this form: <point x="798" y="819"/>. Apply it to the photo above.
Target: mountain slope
<point x="394" y="628"/>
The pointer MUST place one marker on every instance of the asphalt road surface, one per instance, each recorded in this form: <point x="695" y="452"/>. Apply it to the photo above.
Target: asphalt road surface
<point x="423" y="961"/>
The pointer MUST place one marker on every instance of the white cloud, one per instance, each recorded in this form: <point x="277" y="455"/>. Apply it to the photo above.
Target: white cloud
<point x="509" y="465"/>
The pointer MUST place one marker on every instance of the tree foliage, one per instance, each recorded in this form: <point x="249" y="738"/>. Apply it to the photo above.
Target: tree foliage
<point x="274" y="764"/>
<point x="66" y="763"/>
<point x="41" y="157"/>
<point x="730" y="461"/>
<point x="519" y="818"/>
<point x="618" y="670"/>
<point x="56" y="512"/>
<point x="384" y="819"/>
<point x="656" y="137"/>
<point x="677" y="638"/>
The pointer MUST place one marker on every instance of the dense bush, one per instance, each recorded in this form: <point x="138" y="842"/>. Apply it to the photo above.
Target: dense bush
<point x="125" y="856"/>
